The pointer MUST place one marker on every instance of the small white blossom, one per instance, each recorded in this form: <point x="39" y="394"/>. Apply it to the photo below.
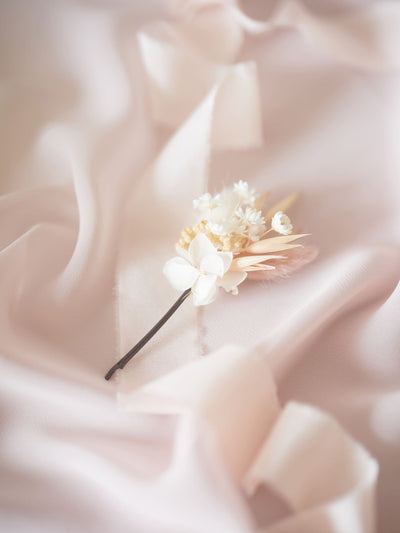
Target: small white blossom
<point x="252" y="221"/>
<point x="246" y="195"/>
<point x="232" y="212"/>
<point x="252" y="216"/>
<point x="206" y="202"/>
<point x="281" y="223"/>
<point x="255" y="232"/>
<point x="203" y="269"/>
<point x="217" y="229"/>
<point x="221" y="220"/>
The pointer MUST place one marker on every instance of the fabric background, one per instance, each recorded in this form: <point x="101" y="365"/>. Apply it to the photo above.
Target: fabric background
<point x="271" y="411"/>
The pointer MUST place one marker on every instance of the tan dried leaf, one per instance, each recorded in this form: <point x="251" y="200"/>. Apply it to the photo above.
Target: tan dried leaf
<point x="283" y="205"/>
<point x="260" y="268"/>
<point x="295" y="260"/>
<point x="282" y="239"/>
<point x="260" y="201"/>
<point x="243" y="263"/>
<point x="265" y="247"/>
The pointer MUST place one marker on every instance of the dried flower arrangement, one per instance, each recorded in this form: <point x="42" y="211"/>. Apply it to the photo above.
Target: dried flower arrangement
<point x="230" y="243"/>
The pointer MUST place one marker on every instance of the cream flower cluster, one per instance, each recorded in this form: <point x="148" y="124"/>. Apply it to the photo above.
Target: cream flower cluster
<point x="232" y="212"/>
<point x="228" y="242"/>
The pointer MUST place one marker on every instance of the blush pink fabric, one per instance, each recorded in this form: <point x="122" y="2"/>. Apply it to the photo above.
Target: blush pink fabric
<point x="276" y="411"/>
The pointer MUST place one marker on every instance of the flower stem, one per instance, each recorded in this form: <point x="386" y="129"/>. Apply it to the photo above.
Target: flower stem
<point x="133" y="351"/>
<point x="268" y="231"/>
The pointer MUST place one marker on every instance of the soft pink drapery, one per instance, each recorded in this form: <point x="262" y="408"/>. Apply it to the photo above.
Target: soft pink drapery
<point x="115" y="116"/>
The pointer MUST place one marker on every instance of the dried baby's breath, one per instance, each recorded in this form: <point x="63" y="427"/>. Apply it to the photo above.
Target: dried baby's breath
<point x="233" y="222"/>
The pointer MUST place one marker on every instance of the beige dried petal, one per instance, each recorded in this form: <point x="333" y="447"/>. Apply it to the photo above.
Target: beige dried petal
<point x="242" y="263"/>
<point x="283" y="239"/>
<point x="259" y="268"/>
<point x="265" y="246"/>
<point x="260" y="201"/>
<point x="272" y="241"/>
<point x="295" y="260"/>
<point x="283" y="205"/>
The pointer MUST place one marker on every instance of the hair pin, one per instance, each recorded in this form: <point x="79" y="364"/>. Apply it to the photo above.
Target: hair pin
<point x="232" y="241"/>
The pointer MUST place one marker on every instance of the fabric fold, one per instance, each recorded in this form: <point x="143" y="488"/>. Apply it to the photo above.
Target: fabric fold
<point x="230" y="389"/>
<point x="113" y="121"/>
<point x="324" y="476"/>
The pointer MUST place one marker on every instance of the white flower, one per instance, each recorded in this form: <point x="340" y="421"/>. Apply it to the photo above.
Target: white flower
<point x="252" y="221"/>
<point x="231" y="280"/>
<point x="281" y="223"/>
<point x="206" y="202"/>
<point x="246" y="195"/>
<point x="221" y="220"/>
<point x="255" y="232"/>
<point x="218" y="229"/>
<point x="226" y="227"/>
<point x="203" y="269"/>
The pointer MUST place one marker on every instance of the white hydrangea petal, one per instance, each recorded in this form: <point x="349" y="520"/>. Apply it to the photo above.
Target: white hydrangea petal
<point x="205" y="289"/>
<point x="199" y="248"/>
<point x="184" y="253"/>
<point x="227" y="260"/>
<point x="231" y="280"/>
<point x="212" y="264"/>
<point x="180" y="273"/>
